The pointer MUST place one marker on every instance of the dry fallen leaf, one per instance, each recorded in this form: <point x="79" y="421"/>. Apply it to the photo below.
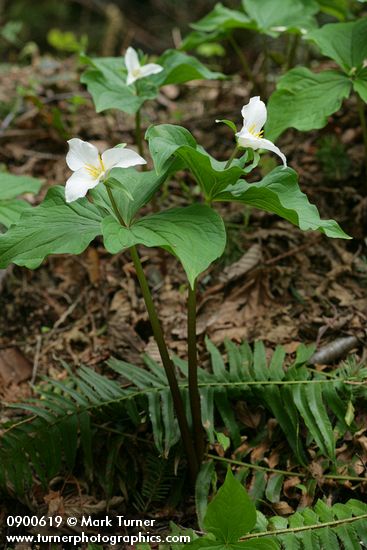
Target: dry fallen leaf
<point x="14" y="367"/>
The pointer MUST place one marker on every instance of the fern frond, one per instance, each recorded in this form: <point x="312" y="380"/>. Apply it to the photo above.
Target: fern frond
<point x="322" y="527"/>
<point x="60" y="423"/>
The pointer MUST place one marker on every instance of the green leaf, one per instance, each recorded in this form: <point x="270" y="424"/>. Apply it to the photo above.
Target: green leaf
<point x="311" y="406"/>
<point x="10" y="211"/>
<point x="196" y="39"/>
<point x="222" y="18"/>
<point x="360" y="84"/>
<point x="12" y="186"/>
<point x="274" y="16"/>
<point x="231" y="514"/>
<point x="274" y="487"/>
<point x="195" y="235"/>
<point x="180" y="67"/>
<point x="345" y="43"/>
<point x="166" y="140"/>
<point x="105" y="79"/>
<point x="279" y="193"/>
<point x="304" y="100"/>
<point x="54" y="227"/>
<point x="141" y="186"/>
<point x="336" y="8"/>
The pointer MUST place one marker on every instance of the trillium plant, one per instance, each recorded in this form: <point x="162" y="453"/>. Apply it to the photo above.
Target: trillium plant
<point x="104" y="196"/>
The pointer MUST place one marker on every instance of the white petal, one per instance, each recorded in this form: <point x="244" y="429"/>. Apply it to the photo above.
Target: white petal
<point x="78" y="185"/>
<point x="119" y="157"/>
<point x="131" y="78"/>
<point x="254" y="115"/>
<point x="245" y="139"/>
<point x="81" y="153"/>
<point x="131" y="60"/>
<point x="150" y="68"/>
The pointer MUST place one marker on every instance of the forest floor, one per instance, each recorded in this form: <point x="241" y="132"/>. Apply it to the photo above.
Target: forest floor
<point x="275" y="283"/>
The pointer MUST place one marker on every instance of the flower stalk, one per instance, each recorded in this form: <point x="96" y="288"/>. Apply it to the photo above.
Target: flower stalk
<point x="246" y="67"/>
<point x="232" y="157"/>
<point x="195" y="405"/>
<point x="163" y="351"/>
<point x="362" y="118"/>
<point x="138" y="133"/>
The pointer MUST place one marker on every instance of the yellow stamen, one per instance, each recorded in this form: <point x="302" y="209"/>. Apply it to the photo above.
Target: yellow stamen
<point x="255" y="134"/>
<point x="96" y="171"/>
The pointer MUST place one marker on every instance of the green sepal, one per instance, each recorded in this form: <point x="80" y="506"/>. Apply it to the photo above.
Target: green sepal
<point x="132" y="189"/>
<point x="228" y="123"/>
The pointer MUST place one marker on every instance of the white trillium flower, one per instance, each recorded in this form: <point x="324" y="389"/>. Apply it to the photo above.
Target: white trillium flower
<point x="90" y="167"/>
<point x="135" y="70"/>
<point x="254" y="117"/>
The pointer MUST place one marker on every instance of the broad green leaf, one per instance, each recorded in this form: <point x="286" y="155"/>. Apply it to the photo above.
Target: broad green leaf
<point x="11" y="210"/>
<point x="196" y="38"/>
<point x="105" y="79"/>
<point x="222" y="18"/>
<point x="360" y="84"/>
<point x="180" y="67"/>
<point x="12" y="186"/>
<point x="141" y="186"/>
<point x="336" y="8"/>
<point x="279" y="193"/>
<point x="54" y="227"/>
<point x="304" y="100"/>
<point x="195" y="235"/>
<point x="346" y="43"/>
<point x="166" y="140"/>
<point x="275" y="16"/>
<point x="231" y="514"/>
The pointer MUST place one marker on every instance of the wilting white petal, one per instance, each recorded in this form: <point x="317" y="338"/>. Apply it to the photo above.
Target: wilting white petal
<point x="79" y="184"/>
<point x="131" y="60"/>
<point x="269" y="145"/>
<point x="119" y="157"/>
<point x="254" y="115"/>
<point x="81" y="153"/>
<point x="245" y="139"/>
<point x="150" y="68"/>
